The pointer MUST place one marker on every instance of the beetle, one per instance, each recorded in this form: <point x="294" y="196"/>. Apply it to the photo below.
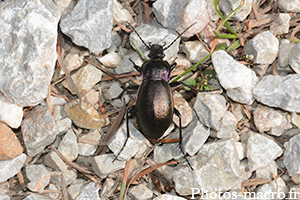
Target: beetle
<point x="154" y="105"/>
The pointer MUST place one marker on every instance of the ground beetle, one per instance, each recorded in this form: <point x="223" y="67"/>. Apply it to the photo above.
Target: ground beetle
<point x="154" y="106"/>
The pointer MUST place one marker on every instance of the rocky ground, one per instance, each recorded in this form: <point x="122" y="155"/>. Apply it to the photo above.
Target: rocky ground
<point x="61" y="60"/>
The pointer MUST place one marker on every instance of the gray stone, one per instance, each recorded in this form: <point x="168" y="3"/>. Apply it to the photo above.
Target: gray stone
<point x="36" y="197"/>
<point x="135" y="142"/>
<point x="125" y="66"/>
<point x="28" y="49"/>
<point x="279" y="91"/>
<point x="164" y="11"/>
<point x="114" y="91"/>
<point x="281" y="25"/>
<point x="111" y="59"/>
<point x="54" y="161"/>
<point x="194" y="50"/>
<point x="121" y="14"/>
<point x="230" y="5"/>
<point x="212" y="170"/>
<point x="9" y="168"/>
<point x="69" y="146"/>
<point x="263" y="48"/>
<point x="188" y="12"/>
<point x="284" y="52"/>
<point x="227" y="127"/>
<point x="184" y="109"/>
<point x="291" y="158"/>
<point x="62" y="125"/>
<point x="85" y="78"/>
<point x="269" y="119"/>
<point x="294" y="59"/>
<point x="265" y="172"/>
<point x="69" y="176"/>
<point x="296" y="119"/>
<point x="241" y="149"/>
<point x="89" y="192"/>
<point x="196" y="139"/>
<point x="76" y="187"/>
<point x="39" y="177"/>
<point x="162" y="153"/>
<point x="168" y="197"/>
<point x="210" y="108"/>
<point x="229" y="73"/>
<point x="54" y="195"/>
<point x="140" y="192"/>
<point x="149" y="34"/>
<point x="88" y="149"/>
<point x="38" y="130"/>
<point x="73" y="59"/>
<point x="269" y="190"/>
<point x="289" y="6"/>
<point x="4" y="196"/>
<point x="261" y="151"/>
<point x="90" y="24"/>
<point x="104" y="164"/>
<point x="11" y="114"/>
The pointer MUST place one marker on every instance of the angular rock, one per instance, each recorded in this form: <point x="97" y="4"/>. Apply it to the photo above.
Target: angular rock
<point x="148" y="32"/>
<point x="69" y="146"/>
<point x="281" y="25"/>
<point x="227" y="127"/>
<point x="289" y="6"/>
<point x="184" y="109"/>
<point x="265" y="172"/>
<point x="4" y="196"/>
<point x="113" y="92"/>
<point x="140" y="192"/>
<point x="54" y="161"/>
<point x="284" y="52"/>
<point x="229" y="73"/>
<point x="188" y="12"/>
<point x="62" y="125"/>
<point x="89" y="192"/>
<point x="85" y="78"/>
<point x="229" y="6"/>
<point x="279" y="91"/>
<point x="164" y="11"/>
<point x="88" y="149"/>
<point x="28" y="50"/>
<point x="294" y="59"/>
<point x="53" y="195"/>
<point x="38" y="130"/>
<point x="36" y="197"/>
<point x="269" y="190"/>
<point x="76" y="187"/>
<point x="136" y="142"/>
<point x="69" y="176"/>
<point x="10" y="146"/>
<point x="90" y="24"/>
<point x="11" y="114"/>
<point x="73" y="59"/>
<point x="125" y="66"/>
<point x="103" y="164"/>
<point x="212" y="170"/>
<point x="9" y="168"/>
<point x="269" y="119"/>
<point x="39" y="177"/>
<point x="121" y="14"/>
<point x="261" y="151"/>
<point x="210" y="108"/>
<point x="85" y="116"/>
<point x="111" y="59"/>
<point x="195" y="51"/>
<point x="263" y="48"/>
<point x="291" y="158"/>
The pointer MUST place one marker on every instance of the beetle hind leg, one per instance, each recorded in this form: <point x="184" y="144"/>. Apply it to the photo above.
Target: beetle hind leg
<point x="127" y="128"/>
<point x="180" y="137"/>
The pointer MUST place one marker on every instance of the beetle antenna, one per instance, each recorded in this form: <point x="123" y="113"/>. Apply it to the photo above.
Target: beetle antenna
<point x="179" y="36"/>
<point x="148" y="47"/>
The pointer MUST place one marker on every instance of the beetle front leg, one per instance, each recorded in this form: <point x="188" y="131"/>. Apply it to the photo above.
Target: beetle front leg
<point x="127" y="128"/>
<point x="138" y="68"/>
<point x="180" y="137"/>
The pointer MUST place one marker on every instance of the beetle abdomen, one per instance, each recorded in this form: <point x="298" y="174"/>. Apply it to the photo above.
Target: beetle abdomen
<point x="154" y="107"/>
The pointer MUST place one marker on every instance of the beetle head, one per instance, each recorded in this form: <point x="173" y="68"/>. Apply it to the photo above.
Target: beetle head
<point x="156" y="52"/>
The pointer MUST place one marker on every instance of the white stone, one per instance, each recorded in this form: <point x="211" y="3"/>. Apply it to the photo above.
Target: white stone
<point x="284" y="52"/>
<point x="195" y="51"/>
<point x="104" y="164"/>
<point x="69" y="146"/>
<point x="291" y="157"/>
<point x="121" y="14"/>
<point x="11" y="114"/>
<point x="9" y="168"/>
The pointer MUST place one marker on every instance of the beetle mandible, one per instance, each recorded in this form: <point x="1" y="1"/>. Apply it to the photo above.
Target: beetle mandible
<point x="154" y="105"/>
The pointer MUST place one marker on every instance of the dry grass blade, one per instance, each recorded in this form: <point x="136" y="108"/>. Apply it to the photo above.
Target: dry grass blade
<point x="21" y="180"/>
<point x="124" y="181"/>
<point x="147" y="171"/>
<point x="112" y="130"/>
<point x="274" y="177"/>
<point x="169" y="140"/>
<point x="108" y="78"/>
<point x="296" y="29"/>
<point x="261" y="22"/>
<point x="64" y="187"/>
<point x="246" y="111"/>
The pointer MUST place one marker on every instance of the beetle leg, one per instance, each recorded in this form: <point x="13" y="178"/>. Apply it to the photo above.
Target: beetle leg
<point x="180" y="137"/>
<point x="127" y="128"/>
<point x="173" y="65"/>
<point x="135" y="66"/>
<point x="130" y="87"/>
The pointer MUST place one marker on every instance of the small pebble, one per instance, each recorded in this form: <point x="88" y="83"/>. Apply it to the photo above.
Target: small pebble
<point x="291" y="157"/>
<point x="39" y="177"/>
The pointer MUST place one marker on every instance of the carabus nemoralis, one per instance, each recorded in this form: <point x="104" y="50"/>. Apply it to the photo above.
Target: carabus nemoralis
<point x="154" y="105"/>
